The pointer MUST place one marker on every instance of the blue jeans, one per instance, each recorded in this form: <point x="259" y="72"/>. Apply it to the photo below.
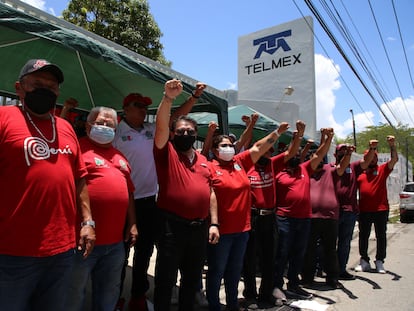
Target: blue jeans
<point x="181" y="245"/>
<point x="346" y="226"/>
<point x="225" y="259"/>
<point x="104" y="267"/>
<point x="34" y="283"/>
<point x="293" y="240"/>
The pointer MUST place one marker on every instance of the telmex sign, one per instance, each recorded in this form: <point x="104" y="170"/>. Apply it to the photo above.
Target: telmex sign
<point x="270" y="44"/>
<point x="272" y="59"/>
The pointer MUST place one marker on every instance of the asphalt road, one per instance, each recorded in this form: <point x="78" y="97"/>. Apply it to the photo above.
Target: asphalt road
<point x="370" y="290"/>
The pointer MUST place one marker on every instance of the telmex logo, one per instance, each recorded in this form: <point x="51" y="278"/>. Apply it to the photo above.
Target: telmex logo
<point x="270" y="44"/>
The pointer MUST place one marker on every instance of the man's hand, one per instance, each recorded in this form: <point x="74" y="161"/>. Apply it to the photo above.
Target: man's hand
<point x="200" y="86"/>
<point x="300" y="127"/>
<point x="86" y="240"/>
<point x="213" y="235"/>
<point x="373" y="143"/>
<point x="283" y="127"/>
<point x="391" y="140"/>
<point x="212" y="126"/>
<point x="173" y="88"/>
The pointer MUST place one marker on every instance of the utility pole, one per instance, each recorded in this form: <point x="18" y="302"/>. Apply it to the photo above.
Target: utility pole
<point x="353" y="128"/>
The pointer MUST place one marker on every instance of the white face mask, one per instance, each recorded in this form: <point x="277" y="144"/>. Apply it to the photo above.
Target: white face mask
<point x="102" y="134"/>
<point x="226" y="153"/>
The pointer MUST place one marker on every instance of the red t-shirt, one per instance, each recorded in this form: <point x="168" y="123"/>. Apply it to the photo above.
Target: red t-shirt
<point x="37" y="185"/>
<point x="232" y="188"/>
<point x="293" y="192"/>
<point x="184" y="188"/>
<point x="262" y="182"/>
<point x="346" y="187"/>
<point x="109" y="184"/>
<point x="323" y="197"/>
<point x="373" y="189"/>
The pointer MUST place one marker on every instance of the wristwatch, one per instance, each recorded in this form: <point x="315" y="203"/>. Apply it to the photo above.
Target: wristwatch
<point x="88" y="223"/>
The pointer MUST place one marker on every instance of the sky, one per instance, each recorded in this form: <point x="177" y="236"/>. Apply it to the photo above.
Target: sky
<point x="200" y="39"/>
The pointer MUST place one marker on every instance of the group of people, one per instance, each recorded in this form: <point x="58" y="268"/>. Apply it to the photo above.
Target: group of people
<point x="74" y="206"/>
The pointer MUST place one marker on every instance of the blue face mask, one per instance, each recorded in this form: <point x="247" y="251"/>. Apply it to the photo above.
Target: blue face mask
<point x="102" y="134"/>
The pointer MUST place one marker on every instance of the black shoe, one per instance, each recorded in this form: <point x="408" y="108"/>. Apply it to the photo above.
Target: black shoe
<point x="346" y="276"/>
<point x="298" y="293"/>
<point x="333" y="284"/>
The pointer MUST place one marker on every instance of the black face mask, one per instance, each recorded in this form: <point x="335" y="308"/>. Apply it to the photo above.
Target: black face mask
<point x="184" y="142"/>
<point x="40" y="100"/>
<point x="263" y="161"/>
<point x="294" y="162"/>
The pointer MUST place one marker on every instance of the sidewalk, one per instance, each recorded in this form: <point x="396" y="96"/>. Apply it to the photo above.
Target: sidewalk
<point x="321" y="294"/>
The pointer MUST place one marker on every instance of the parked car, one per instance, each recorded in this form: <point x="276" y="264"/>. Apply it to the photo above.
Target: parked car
<point x="407" y="202"/>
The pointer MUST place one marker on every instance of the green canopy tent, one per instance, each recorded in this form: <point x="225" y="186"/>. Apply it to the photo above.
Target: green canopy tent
<point x="97" y="71"/>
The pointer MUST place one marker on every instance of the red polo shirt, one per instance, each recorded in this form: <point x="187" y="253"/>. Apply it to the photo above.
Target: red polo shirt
<point x="232" y="188"/>
<point x="184" y="188"/>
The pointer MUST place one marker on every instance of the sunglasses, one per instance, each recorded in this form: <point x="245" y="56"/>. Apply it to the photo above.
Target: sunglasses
<point x="181" y="132"/>
<point x="226" y="145"/>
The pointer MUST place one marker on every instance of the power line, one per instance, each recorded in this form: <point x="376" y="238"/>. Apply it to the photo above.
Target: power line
<point x="347" y="60"/>
<point x="333" y="64"/>
<point x="389" y="62"/>
<point x="402" y="43"/>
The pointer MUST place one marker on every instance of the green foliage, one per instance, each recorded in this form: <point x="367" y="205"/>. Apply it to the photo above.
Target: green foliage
<point x="403" y="135"/>
<point x="126" y="22"/>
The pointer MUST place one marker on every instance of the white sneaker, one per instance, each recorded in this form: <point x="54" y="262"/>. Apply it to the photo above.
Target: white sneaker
<point x="379" y="266"/>
<point x="279" y="294"/>
<point x="364" y="266"/>
<point x="174" y="295"/>
<point x="201" y="299"/>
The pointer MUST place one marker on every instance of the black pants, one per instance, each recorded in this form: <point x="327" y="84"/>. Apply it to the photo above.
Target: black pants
<point x="145" y="211"/>
<point x="379" y="219"/>
<point x="262" y="245"/>
<point x="326" y="231"/>
<point x="180" y="246"/>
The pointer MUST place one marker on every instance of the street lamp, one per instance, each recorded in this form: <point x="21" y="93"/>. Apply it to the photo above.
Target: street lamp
<point x="287" y="91"/>
<point x="353" y="127"/>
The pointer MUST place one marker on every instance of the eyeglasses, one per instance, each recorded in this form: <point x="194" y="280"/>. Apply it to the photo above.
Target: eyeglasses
<point x="181" y="132"/>
<point x="104" y="123"/>
<point x="226" y="145"/>
<point x="139" y="106"/>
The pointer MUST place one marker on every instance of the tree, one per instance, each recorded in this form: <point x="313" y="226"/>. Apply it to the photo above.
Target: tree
<point x="126" y="22"/>
<point x="403" y="134"/>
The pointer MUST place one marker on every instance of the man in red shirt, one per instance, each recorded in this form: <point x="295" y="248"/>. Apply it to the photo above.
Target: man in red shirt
<point x="111" y="195"/>
<point x="263" y="234"/>
<point x="294" y="213"/>
<point x="185" y="202"/>
<point x="374" y="207"/>
<point x="43" y="189"/>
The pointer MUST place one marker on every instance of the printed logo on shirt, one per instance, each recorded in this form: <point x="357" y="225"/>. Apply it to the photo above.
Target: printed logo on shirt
<point x="99" y="162"/>
<point x="123" y="165"/>
<point x="126" y="138"/>
<point x="218" y="173"/>
<point x="348" y="170"/>
<point x="237" y="167"/>
<point x="36" y="148"/>
<point x="149" y="135"/>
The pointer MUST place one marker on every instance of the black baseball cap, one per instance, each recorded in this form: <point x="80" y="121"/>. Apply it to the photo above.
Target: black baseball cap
<point x="34" y="65"/>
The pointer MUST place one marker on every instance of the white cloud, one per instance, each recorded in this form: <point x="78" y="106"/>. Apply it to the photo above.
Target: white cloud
<point x="231" y="86"/>
<point x="403" y="111"/>
<point x="391" y="39"/>
<point x="327" y="81"/>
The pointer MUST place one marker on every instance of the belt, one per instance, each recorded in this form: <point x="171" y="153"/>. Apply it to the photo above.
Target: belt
<point x="150" y="198"/>
<point x="263" y="211"/>
<point x="189" y="222"/>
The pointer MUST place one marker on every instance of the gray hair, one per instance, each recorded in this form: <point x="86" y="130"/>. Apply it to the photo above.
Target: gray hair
<point x="95" y="111"/>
